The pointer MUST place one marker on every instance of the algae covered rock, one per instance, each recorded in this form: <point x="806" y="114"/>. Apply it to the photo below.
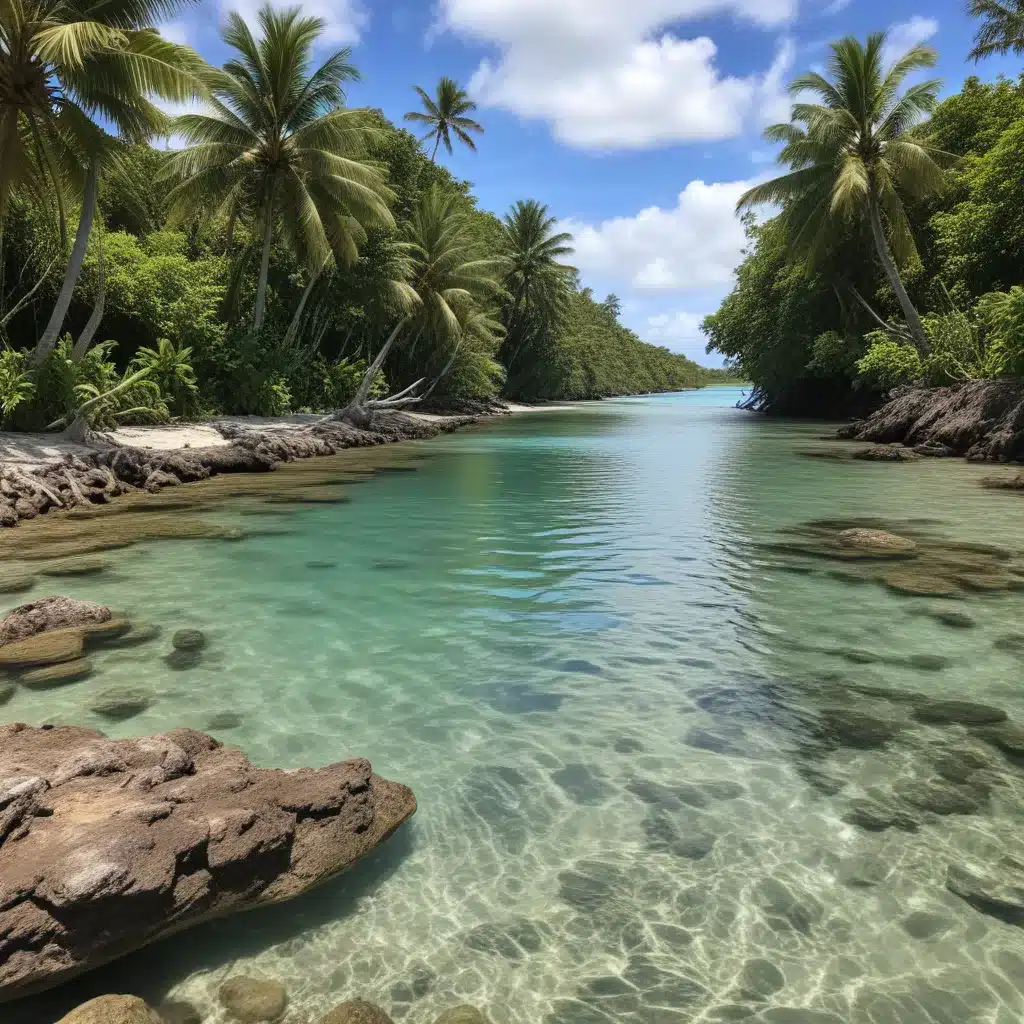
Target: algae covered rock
<point x="917" y="583"/>
<point x="886" y="453"/>
<point x="50" y="676"/>
<point x="188" y="640"/>
<point x="16" y="583"/>
<point x="44" y="649"/>
<point x="113" y="1010"/>
<point x="356" y="1011"/>
<point x="251" y="1000"/>
<point x="957" y="712"/>
<point x="880" y="541"/>
<point x="855" y="729"/>
<point x="121" y="703"/>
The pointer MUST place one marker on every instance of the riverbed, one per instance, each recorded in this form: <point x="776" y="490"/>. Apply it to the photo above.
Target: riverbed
<point x="584" y="640"/>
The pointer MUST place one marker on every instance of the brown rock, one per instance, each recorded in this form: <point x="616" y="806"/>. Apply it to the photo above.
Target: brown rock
<point x="107" y="845"/>
<point x="44" y="649"/>
<point x="251" y="1000"/>
<point x="75" y="567"/>
<point x="47" y="614"/>
<point x="356" y="1011"/>
<point x="106" y="632"/>
<point x="919" y="584"/>
<point x="113" y="1010"/>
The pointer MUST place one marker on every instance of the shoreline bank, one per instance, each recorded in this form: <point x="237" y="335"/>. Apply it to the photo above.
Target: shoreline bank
<point x="40" y="474"/>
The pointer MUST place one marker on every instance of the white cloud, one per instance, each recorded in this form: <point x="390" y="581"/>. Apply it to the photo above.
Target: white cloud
<point x="176" y="32"/>
<point x="836" y="6"/>
<point x="611" y="73"/>
<point x="695" y="245"/>
<point x="345" y="20"/>
<point x="679" y="331"/>
<point x="905" y="34"/>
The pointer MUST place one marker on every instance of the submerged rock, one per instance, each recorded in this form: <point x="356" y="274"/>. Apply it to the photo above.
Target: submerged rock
<point x="188" y="640"/>
<point x="356" y="1011"/>
<point x="113" y="1010"/>
<point x="178" y="1011"/>
<point x="999" y="893"/>
<point x="941" y="797"/>
<point x="225" y="720"/>
<point x="61" y="674"/>
<point x="16" y="583"/>
<point x="1007" y="736"/>
<point x="922" y="925"/>
<point x="920" y="584"/>
<point x="864" y="870"/>
<point x="161" y="832"/>
<point x="121" y="703"/>
<point x="957" y="712"/>
<point x="182" y="661"/>
<point x="876" y="817"/>
<point x="953" y="619"/>
<point x="251" y="1000"/>
<point x="855" y="729"/>
<point x="108" y="632"/>
<point x="75" y="567"/>
<point x="7" y="691"/>
<point x="886" y="453"/>
<point x="49" y="613"/>
<point x="880" y="541"/>
<point x="464" y="1014"/>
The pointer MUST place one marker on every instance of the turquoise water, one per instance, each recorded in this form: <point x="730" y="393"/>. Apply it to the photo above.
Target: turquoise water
<point x="564" y="633"/>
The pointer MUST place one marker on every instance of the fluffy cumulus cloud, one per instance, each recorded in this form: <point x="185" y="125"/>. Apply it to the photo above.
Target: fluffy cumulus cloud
<point x="610" y="74"/>
<point x="906" y="34"/>
<point x="345" y="20"/>
<point x="694" y="245"/>
<point x="679" y="331"/>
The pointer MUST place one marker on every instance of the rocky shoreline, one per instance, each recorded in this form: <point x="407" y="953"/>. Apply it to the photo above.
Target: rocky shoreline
<point x="109" y="469"/>
<point x="982" y="421"/>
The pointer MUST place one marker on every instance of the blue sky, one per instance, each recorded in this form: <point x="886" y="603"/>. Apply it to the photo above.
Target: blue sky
<point x="637" y="121"/>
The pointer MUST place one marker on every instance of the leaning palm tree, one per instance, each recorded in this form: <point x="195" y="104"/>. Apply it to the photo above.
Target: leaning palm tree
<point x="853" y="157"/>
<point x="62" y="65"/>
<point x="277" y="149"/>
<point x="1002" y="28"/>
<point x="454" y="281"/>
<point x="446" y="114"/>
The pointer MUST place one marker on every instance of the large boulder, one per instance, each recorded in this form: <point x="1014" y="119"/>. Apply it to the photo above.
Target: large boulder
<point x="877" y="541"/>
<point x="48" y="614"/>
<point x="113" y="1010"/>
<point x="356" y="1011"/>
<point x="107" y="845"/>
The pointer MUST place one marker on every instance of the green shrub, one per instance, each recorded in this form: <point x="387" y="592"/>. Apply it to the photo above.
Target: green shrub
<point x="16" y="387"/>
<point x="171" y="370"/>
<point x="888" y="364"/>
<point x="1002" y="316"/>
<point x="341" y="381"/>
<point x="834" y="355"/>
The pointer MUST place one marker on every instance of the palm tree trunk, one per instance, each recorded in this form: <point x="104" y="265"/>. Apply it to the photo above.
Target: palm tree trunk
<point x="74" y="268"/>
<point x="437" y="142"/>
<point x="261" y="287"/>
<point x="293" y="328"/>
<point x="889" y="265"/>
<point x="93" y="324"/>
<point x="371" y="373"/>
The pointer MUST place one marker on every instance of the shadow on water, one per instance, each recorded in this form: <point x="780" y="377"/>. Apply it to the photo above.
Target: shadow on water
<point x="213" y="947"/>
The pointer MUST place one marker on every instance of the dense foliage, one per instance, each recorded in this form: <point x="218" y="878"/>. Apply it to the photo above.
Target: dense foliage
<point x="286" y="253"/>
<point x="829" y="334"/>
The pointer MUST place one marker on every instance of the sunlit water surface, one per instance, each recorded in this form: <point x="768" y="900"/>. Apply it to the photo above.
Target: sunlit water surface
<point x="561" y="632"/>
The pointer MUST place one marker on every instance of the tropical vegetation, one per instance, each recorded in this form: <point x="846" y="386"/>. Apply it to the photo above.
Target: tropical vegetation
<point x="893" y="251"/>
<point x="269" y="250"/>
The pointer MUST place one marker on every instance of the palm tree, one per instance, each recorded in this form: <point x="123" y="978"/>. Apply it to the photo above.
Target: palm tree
<point x="1002" y="29"/>
<point x="535" y="280"/>
<point x="853" y="156"/>
<point x="454" y="282"/>
<point x="277" y="149"/>
<point x="445" y="114"/>
<point x="63" y="64"/>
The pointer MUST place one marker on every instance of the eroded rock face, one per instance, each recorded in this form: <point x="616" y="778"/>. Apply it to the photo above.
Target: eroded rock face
<point x="113" y="1010"/>
<point x="48" y="614"/>
<point x="107" y="845"/>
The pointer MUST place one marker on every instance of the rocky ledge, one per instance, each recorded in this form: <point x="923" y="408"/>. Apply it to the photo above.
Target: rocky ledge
<point x="982" y="420"/>
<point x="107" y="845"/>
<point x="112" y="470"/>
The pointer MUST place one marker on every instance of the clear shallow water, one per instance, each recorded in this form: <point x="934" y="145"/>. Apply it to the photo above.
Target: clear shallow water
<point x="562" y="633"/>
